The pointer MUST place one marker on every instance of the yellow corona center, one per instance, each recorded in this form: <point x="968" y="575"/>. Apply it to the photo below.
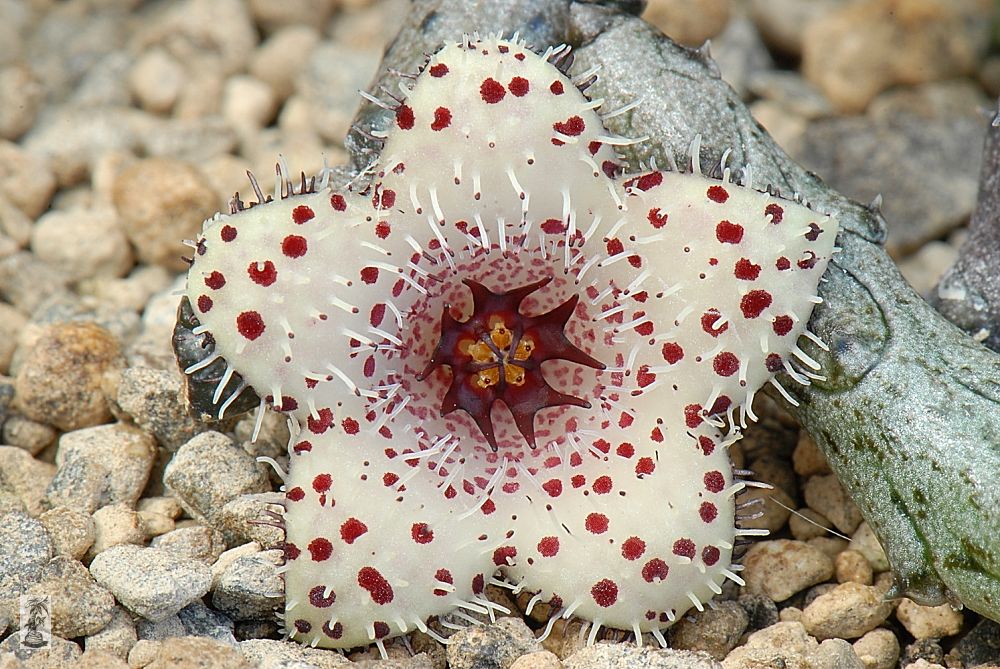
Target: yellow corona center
<point x="482" y="353"/>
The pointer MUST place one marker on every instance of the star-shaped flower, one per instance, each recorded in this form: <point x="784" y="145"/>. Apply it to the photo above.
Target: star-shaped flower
<point x="505" y="360"/>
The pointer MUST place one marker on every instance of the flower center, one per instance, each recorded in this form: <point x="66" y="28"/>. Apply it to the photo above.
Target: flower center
<point x="496" y="355"/>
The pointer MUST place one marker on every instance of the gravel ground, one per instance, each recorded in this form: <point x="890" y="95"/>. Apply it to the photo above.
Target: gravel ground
<point x="123" y="124"/>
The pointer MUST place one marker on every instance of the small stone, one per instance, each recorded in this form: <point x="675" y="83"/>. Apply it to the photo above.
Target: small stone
<point x="784" y="644"/>
<point x="604" y="655"/>
<point x="836" y="654"/>
<point x="143" y="652"/>
<point x="25" y="179"/>
<point x="63" y="307"/>
<point x="116" y="524"/>
<point x="926" y="650"/>
<point x="878" y="649"/>
<point x="847" y="612"/>
<point x="268" y="629"/>
<point x="26" y="282"/>
<point x="14" y="223"/>
<point x="191" y="140"/>
<point x="24" y="477"/>
<point x="156" y="80"/>
<point x="98" y="466"/>
<point x="740" y="53"/>
<point x="238" y="514"/>
<point x="196" y="542"/>
<point x="807" y="459"/>
<point x="25" y="549"/>
<point x="791" y="92"/>
<point x="156" y="524"/>
<point x="248" y="103"/>
<point x="781" y="568"/>
<point x="153" y="399"/>
<point x="924" y="269"/>
<point x="323" y="86"/>
<point x="503" y="641"/>
<point x="209" y="471"/>
<point x="923" y="664"/>
<point x="790" y="614"/>
<point x="773" y="507"/>
<point x="103" y="85"/>
<point x="865" y="542"/>
<point x="192" y="652"/>
<point x="859" y="49"/>
<point x="167" y="506"/>
<point x="131" y="292"/>
<point x="213" y="35"/>
<point x="925" y="622"/>
<point x="117" y="637"/>
<point x="825" y="495"/>
<point x="161" y="201"/>
<point x="79" y="606"/>
<point x="540" y="660"/>
<point x="59" y="653"/>
<point x="71" y="530"/>
<point x="806" y="524"/>
<point x="24" y="433"/>
<point x="831" y="546"/>
<point x="271" y="17"/>
<point x="62" y="379"/>
<point x="227" y="558"/>
<point x="688" y="23"/>
<point x="151" y="582"/>
<point x="781" y="22"/>
<point x="713" y="631"/>
<point x="199" y="620"/>
<point x="18" y="82"/>
<point x="98" y="248"/>
<point x="282" y="56"/>
<point x="251" y="588"/>
<point x="100" y="659"/>
<point x="271" y="654"/>
<point x="761" y="610"/>
<point x="852" y="566"/>
<point x="170" y="626"/>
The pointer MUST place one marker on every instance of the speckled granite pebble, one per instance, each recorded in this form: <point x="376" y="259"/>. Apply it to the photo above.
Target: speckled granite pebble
<point x="271" y="654"/>
<point x="847" y="611"/>
<point x="250" y="588"/>
<point x="502" y="642"/>
<point x="781" y="568"/>
<point x="71" y="530"/>
<point x="25" y="549"/>
<point x="152" y="398"/>
<point x="878" y="649"/>
<point x="116" y="524"/>
<point x="715" y="631"/>
<point x="24" y="477"/>
<point x="151" y="582"/>
<point x="79" y="606"/>
<point x="117" y="637"/>
<point x="603" y="656"/>
<point x="196" y="542"/>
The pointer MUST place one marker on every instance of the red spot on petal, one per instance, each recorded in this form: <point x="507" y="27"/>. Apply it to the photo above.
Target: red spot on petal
<point x="294" y="246"/>
<point x="302" y="213"/>
<point x="492" y="91"/>
<point x="350" y="426"/>
<point x="504" y="556"/>
<point x="773" y="363"/>
<point x="717" y="194"/>
<point x="706" y="445"/>
<point x="573" y="126"/>
<point x="625" y="450"/>
<point x="317" y="598"/>
<point x="338" y="202"/>
<point x="215" y="280"/>
<point x="421" y="533"/>
<point x="352" y="529"/>
<point x="438" y="70"/>
<point x="369" y="275"/>
<point x="322" y="482"/>
<point x="518" y="86"/>
<point x="775" y="212"/>
<point x="296" y="494"/>
<point x="708" y="321"/>
<point x="442" y="118"/>
<point x="782" y="325"/>
<point x="204" y="304"/>
<point x="726" y="364"/>
<point x="227" y="233"/>
<point x="746" y="270"/>
<point x="322" y="423"/>
<point x="656" y="219"/>
<point x="444" y="576"/>
<point x="602" y="485"/>
<point x="605" y="592"/>
<point x="548" y="546"/>
<point x="633" y="548"/>
<point x="556" y="87"/>
<point x="710" y="555"/>
<point x="729" y="233"/>
<point x="644" y="377"/>
<point x="645" y="466"/>
<point x="714" y="481"/>
<point x="596" y="523"/>
<point x="372" y="580"/>
<point x="250" y="325"/>
<point x="320" y="549"/>
<point x="692" y="415"/>
<point x="754" y="303"/>
<point x="684" y="548"/>
<point x="262" y="274"/>
<point x="708" y="512"/>
<point x="655" y="570"/>
<point x="382" y="229"/>
<point x="673" y="352"/>
<point x="553" y="487"/>
<point x="404" y="119"/>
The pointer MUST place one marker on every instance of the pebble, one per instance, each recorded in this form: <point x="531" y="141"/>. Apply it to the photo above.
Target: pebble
<point x="13" y="321"/>
<point x="79" y="606"/>
<point x="271" y="654"/>
<point x="836" y="654"/>
<point x="99" y="246"/>
<point x="761" y="610"/>
<point x="688" y="23"/>
<point x="160" y="630"/>
<point x="162" y="201"/>
<point x="784" y="644"/>
<point x="928" y="651"/>
<point x="831" y="546"/>
<point x="156" y="524"/>
<point x="72" y="531"/>
<point x="18" y="82"/>
<point x="807" y="524"/>
<point x="825" y="495"/>
<point x="862" y="48"/>
<point x="924" y="269"/>
<point x="99" y="659"/>
<point x="848" y="612"/>
<point x="14" y="223"/>
<point x="807" y="459"/>
<point x="209" y="471"/>
<point x="151" y="582"/>
<point x="199" y="620"/>
<point x="24" y="477"/>
<point x="713" y="631"/>
<point x="791" y="92"/>
<point x="602" y="656"/>
<point x="156" y="80"/>
<point x="878" y="649"/>
<point x="330" y="90"/>
<point x="238" y="514"/>
<point x="98" y="466"/>
<point x="541" y="660"/>
<point x="25" y="179"/>
<point x="925" y="622"/>
<point x="980" y="646"/>
<point x="62" y="379"/>
<point x="117" y="637"/>
<point x="63" y="307"/>
<point x="280" y="59"/>
<point x="230" y="556"/>
<point x="154" y="399"/>
<point x="781" y="568"/>
<point x="196" y="542"/>
<point x="192" y="141"/>
<point x="213" y="35"/>
<point x="143" y="652"/>
<point x="163" y="505"/>
<point x="866" y="542"/>
<point x="782" y="22"/>
<point x="26" y="282"/>
<point x="104" y="84"/>
<point x="503" y="641"/>
<point x="59" y="654"/>
<point x="24" y="433"/>
<point x="248" y="104"/>
<point x="251" y="588"/>
<point x="116" y="524"/>
<point x="852" y="566"/>
<point x="270" y="17"/>
<point x="740" y="53"/>
<point x="194" y="652"/>
<point x="25" y="549"/>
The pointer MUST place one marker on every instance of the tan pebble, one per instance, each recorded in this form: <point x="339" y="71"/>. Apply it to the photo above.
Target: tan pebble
<point x="166" y="505"/>
<point x="72" y="531"/>
<point x="281" y="57"/>
<point x="566" y="638"/>
<point x="113" y="525"/>
<point x="689" y="22"/>
<point x="25" y="179"/>
<point x="25" y="433"/>
<point x="847" y="612"/>
<point x="156" y="80"/>
<point x="781" y="568"/>
<point x="836" y="654"/>
<point x="195" y="653"/>
<point x="99" y="247"/>
<point x="878" y="649"/>
<point x="117" y="638"/>
<point x="713" y="631"/>
<point x="19" y="80"/>
<point x="923" y="664"/>
<point x="865" y="542"/>
<point x="25" y="477"/>
<point x="852" y="566"/>
<point x="100" y="659"/>
<point x="790" y="614"/>
<point x="155" y="524"/>
<point x="825" y="495"/>
<point x="784" y="644"/>
<point x="197" y="542"/>
<point x="773" y="506"/>
<point x="226" y="558"/>
<point x="65" y="376"/>
<point x="540" y="660"/>
<point x="248" y="103"/>
<point x="807" y="524"/>
<point x="162" y="201"/>
<point x="925" y="622"/>
<point x="807" y="459"/>
<point x="142" y="653"/>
